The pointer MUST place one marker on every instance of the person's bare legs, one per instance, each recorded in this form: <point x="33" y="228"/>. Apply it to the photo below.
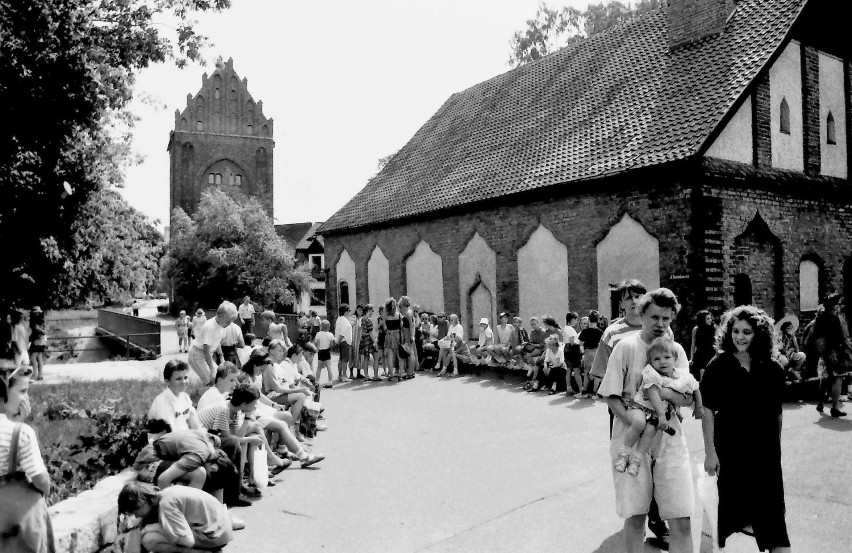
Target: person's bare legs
<point x="634" y="534"/>
<point x="680" y="535"/>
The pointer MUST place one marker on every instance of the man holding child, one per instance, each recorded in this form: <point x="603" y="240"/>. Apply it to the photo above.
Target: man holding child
<point x="665" y="474"/>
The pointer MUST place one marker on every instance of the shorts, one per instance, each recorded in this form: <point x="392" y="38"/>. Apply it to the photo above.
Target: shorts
<point x="672" y="476"/>
<point x="37" y="349"/>
<point x="589" y="358"/>
<point x="324" y="355"/>
<point x="183" y="332"/>
<point x="345" y="351"/>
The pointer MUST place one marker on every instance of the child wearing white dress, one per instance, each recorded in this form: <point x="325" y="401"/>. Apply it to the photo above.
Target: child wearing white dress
<point x="649" y="412"/>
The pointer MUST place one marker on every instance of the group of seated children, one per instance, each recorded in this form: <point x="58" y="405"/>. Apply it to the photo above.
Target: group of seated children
<point x="246" y="428"/>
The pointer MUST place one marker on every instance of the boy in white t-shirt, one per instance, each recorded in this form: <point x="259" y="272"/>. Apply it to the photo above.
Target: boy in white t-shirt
<point x="486" y="340"/>
<point x="323" y="341"/>
<point x="173" y="404"/>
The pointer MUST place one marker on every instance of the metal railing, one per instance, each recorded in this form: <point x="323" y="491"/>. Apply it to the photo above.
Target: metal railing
<point x="134" y="333"/>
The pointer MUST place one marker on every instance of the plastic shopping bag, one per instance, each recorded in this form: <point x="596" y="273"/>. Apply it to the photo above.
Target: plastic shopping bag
<point x="707" y="491"/>
<point x="261" y="472"/>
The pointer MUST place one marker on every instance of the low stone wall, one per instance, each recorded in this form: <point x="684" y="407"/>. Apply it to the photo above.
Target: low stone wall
<point x="89" y="523"/>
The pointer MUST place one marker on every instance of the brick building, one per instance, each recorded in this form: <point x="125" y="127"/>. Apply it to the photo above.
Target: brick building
<point x="702" y="147"/>
<point x="221" y="139"/>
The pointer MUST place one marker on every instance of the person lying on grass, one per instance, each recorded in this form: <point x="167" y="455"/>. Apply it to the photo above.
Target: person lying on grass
<point x="178" y="519"/>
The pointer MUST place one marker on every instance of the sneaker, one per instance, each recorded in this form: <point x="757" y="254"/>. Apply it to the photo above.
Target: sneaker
<point x="634" y="465"/>
<point x="311" y="459"/>
<point x="237" y="523"/>
<point x="321" y="427"/>
<point x="621" y="462"/>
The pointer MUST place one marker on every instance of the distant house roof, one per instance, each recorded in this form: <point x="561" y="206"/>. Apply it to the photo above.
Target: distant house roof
<point x="616" y="101"/>
<point x="309" y="236"/>
<point x="299" y="236"/>
<point x="293" y="233"/>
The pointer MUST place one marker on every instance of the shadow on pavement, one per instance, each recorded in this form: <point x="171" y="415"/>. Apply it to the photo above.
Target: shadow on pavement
<point x="837" y="425"/>
<point x="613" y="544"/>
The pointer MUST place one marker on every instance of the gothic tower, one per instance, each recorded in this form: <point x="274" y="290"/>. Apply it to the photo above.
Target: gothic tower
<point x="220" y="139"/>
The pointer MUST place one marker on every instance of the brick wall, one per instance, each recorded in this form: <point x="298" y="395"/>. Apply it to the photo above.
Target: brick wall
<point x="691" y="20"/>
<point x="761" y="105"/>
<point x="579" y="222"/>
<point x="802" y="226"/>
<point x="810" y="109"/>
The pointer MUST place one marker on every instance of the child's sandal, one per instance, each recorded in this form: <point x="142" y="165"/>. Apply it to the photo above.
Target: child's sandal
<point x="621" y="462"/>
<point x="634" y="465"/>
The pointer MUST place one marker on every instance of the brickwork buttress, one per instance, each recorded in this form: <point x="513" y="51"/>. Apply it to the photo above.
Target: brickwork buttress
<point x="761" y="106"/>
<point x="810" y="109"/>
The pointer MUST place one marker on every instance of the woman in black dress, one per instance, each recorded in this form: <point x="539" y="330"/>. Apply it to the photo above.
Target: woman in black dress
<point x="703" y="343"/>
<point x="742" y="389"/>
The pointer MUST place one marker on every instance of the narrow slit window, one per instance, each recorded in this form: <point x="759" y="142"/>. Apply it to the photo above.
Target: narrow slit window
<point x="211" y="179"/>
<point x="785" y="116"/>
<point x="199" y="125"/>
<point x="239" y="180"/>
<point x="218" y="178"/>
<point x="830" y="131"/>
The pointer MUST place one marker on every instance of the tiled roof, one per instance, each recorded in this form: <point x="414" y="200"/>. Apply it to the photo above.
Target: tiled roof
<point x="293" y="232"/>
<point x="614" y="102"/>
<point x="305" y="242"/>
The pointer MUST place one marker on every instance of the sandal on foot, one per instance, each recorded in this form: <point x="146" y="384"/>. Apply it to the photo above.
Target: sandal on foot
<point x="621" y="462"/>
<point x="634" y="465"/>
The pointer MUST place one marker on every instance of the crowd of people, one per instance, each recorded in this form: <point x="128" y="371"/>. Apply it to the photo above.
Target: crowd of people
<point x="262" y="406"/>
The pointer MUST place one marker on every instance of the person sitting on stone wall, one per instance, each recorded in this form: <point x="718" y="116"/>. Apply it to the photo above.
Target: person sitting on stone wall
<point x="520" y="341"/>
<point x="454" y="329"/>
<point x="480" y="352"/>
<point x="501" y="349"/>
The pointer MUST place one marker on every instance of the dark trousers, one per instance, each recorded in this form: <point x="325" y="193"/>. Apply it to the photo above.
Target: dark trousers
<point x="247" y="326"/>
<point x="557" y="375"/>
<point x="231" y="491"/>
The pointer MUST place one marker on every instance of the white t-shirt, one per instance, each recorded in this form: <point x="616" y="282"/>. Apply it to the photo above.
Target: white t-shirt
<point x="211" y="397"/>
<point x="623" y="376"/>
<point x="287" y="372"/>
<point x="233" y="335"/>
<point x="174" y="409"/>
<point x="246" y="311"/>
<point x="569" y="335"/>
<point x="456" y="329"/>
<point x="504" y="334"/>
<point x="324" y="339"/>
<point x="486" y="337"/>
<point x="343" y="328"/>
<point x="210" y="334"/>
<point x="554" y="359"/>
<point x="305" y="367"/>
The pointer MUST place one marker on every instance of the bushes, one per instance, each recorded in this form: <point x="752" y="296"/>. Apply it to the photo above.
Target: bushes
<point x="85" y="437"/>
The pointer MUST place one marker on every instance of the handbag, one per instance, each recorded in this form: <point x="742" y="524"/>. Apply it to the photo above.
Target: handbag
<point x="260" y="472"/>
<point x="24" y="521"/>
<point x="705" y="533"/>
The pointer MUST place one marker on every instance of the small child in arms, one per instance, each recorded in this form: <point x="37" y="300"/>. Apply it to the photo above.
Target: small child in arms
<point x="649" y="412"/>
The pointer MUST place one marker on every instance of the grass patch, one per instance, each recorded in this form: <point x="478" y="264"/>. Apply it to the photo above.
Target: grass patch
<point x="90" y="430"/>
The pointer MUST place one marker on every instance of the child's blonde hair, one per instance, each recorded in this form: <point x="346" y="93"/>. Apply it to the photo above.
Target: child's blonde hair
<point x="660" y="345"/>
<point x="325" y="325"/>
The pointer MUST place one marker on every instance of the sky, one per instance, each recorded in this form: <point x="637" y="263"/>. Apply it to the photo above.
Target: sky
<point x="346" y="82"/>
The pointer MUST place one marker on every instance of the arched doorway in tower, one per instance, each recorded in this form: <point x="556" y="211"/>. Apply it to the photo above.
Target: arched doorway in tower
<point x="757" y="260"/>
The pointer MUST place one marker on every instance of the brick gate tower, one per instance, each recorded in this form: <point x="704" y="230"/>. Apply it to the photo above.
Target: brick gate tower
<point x="221" y="139"/>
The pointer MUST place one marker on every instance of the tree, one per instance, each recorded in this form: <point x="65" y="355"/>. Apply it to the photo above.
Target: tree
<point x="114" y="255"/>
<point x="66" y="77"/>
<point x="553" y="29"/>
<point x="228" y="250"/>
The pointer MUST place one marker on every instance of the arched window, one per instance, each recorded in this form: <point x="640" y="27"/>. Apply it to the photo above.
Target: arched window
<point x="742" y="290"/>
<point x="808" y="285"/>
<point x="183" y="124"/>
<point x="217" y="94"/>
<point x="199" y="125"/>
<point x="218" y="178"/>
<point x="785" y="116"/>
<point x="238" y="180"/>
<point x="249" y="129"/>
<point x="344" y="292"/>
<point x="211" y="179"/>
<point x="830" y="132"/>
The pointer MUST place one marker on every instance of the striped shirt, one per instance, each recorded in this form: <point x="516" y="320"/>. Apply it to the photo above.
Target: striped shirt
<point x="614" y="333"/>
<point x="218" y="417"/>
<point x="29" y="454"/>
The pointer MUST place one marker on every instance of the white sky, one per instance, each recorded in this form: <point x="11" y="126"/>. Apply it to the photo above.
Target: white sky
<point x="347" y="82"/>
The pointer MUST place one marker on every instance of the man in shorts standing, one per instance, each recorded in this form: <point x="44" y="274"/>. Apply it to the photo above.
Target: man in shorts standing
<point x="665" y="473"/>
<point x="343" y="337"/>
<point x="246" y="313"/>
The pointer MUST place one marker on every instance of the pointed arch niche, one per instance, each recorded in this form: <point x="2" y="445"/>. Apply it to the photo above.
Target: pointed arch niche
<point x="758" y="254"/>
<point x="543" y="276"/>
<point x="627" y="251"/>
<point x="424" y="278"/>
<point x="477" y="284"/>
<point x="378" y="280"/>
<point x="346" y="274"/>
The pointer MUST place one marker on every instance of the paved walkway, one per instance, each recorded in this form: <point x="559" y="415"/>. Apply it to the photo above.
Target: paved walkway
<point x="474" y="464"/>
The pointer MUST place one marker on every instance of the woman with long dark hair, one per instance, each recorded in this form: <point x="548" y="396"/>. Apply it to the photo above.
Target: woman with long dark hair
<point x="703" y="346"/>
<point x="742" y="389"/>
